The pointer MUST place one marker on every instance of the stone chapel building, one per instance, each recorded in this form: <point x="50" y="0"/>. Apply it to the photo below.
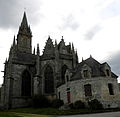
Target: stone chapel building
<point x="56" y="74"/>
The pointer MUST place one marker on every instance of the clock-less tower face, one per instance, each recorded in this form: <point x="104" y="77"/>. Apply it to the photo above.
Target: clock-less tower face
<point x="24" y="43"/>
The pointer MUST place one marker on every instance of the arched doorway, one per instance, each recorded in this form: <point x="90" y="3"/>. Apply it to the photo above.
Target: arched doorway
<point x="49" y="80"/>
<point x="63" y="70"/>
<point x="26" y="84"/>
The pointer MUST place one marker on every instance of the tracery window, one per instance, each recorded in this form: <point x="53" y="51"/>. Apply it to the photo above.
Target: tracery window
<point x="63" y="70"/>
<point x="26" y="84"/>
<point x="49" y="80"/>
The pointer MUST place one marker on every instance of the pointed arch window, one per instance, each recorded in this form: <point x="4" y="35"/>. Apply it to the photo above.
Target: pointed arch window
<point x="63" y="70"/>
<point x="26" y="84"/>
<point x="49" y="80"/>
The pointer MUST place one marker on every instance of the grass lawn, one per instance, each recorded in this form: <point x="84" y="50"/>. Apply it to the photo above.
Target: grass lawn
<point x="16" y="114"/>
<point x="7" y="114"/>
<point x="48" y="112"/>
<point x="53" y="111"/>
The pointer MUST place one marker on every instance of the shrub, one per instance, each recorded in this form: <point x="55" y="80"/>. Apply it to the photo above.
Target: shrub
<point x="71" y="106"/>
<point x="95" y="104"/>
<point x="79" y="104"/>
<point x="57" y="103"/>
<point x="40" y="101"/>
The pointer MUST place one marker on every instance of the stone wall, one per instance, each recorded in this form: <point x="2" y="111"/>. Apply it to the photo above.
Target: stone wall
<point x="99" y="88"/>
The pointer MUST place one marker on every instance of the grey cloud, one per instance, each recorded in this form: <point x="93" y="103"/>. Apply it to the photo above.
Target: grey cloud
<point x="92" y="32"/>
<point x="114" y="62"/>
<point x="11" y="11"/>
<point x="70" y="22"/>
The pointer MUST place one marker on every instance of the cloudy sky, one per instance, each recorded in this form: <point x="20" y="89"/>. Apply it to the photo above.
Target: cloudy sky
<point x="92" y="25"/>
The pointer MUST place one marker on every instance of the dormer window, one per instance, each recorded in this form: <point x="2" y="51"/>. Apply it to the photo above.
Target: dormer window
<point x="106" y="69"/>
<point x="86" y="73"/>
<point x="107" y="72"/>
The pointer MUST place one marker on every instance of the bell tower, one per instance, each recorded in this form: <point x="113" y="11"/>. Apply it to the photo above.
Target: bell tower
<point x="24" y="37"/>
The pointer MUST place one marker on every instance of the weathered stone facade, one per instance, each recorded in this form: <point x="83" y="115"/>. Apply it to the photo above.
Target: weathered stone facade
<point x="91" y="80"/>
<point x="27" y="74"/>
<point x="56" y="73"/>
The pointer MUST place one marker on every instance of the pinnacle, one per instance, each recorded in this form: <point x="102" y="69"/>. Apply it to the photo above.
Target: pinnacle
<point x="24" y="21"/>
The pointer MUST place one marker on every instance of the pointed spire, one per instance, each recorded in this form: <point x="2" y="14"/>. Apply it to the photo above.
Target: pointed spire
<point x="55" y="43"/>
<point x="76" y="56"/>
<point x="90" y="56"/>
<point x="34" y="51"/>
<point x="24" y="28"/>
<point x="72" y="47"/>
<point x="38" y="51"/>
<point x="49" y="37"/>
<point x="24" y="21"/>
<point x="6" y="60"/>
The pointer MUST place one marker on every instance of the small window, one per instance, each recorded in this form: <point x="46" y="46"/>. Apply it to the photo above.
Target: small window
<point x="110" y="87"/>
<point x="87" y="89"/>
<point x="68" y="89"/>
<point x="107" y="72"/>
<point x="85" y="72"/>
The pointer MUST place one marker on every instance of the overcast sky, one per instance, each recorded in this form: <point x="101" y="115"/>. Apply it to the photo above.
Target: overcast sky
<point x="92" y="25"/>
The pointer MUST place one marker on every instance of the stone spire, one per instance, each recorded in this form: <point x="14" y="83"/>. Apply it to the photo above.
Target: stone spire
<point x="24" y="21"/>
<point x="34" y="51"/>
<point x="24" y="37"/>
<point x="38" y="50"/>
<point x="73" y="47"/>
<point x="24" y="28"/>
<point x="55" y="42"/>
<point x="76" y="56"/>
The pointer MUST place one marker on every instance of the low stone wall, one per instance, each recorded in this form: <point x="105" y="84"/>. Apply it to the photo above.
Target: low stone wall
<point x="99" y="88"/>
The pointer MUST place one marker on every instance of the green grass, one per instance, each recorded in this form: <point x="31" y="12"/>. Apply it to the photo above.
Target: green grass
<point x="53" y="111"/>
<point x="7" y="114"/>
<point x="16" y="114"/>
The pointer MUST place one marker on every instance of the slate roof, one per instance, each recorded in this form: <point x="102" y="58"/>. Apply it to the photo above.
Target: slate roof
<point x="95" y="66"/>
